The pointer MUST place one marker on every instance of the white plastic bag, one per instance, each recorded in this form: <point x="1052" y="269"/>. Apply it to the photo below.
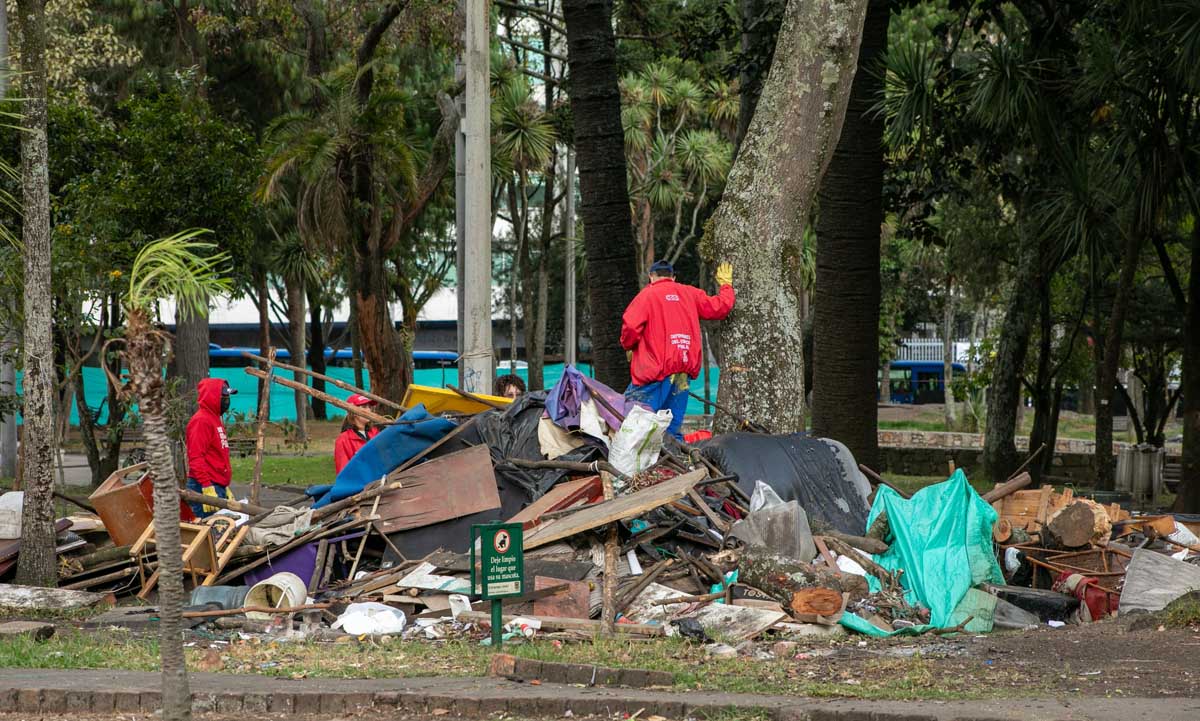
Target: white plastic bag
<point x="370" y="617"/>
<point x="764" y="497"/>
<point x="639" y="440"/>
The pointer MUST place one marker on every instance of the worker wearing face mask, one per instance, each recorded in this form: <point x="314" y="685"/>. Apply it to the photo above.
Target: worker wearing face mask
<point x="209" y="471"/>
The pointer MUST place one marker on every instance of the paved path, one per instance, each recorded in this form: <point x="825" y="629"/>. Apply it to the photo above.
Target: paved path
<point x="58" y="692"/>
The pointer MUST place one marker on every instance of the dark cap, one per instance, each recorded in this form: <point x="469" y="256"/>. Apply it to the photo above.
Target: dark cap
<point x="662" y="267"/>
<point x="227" y="390"/>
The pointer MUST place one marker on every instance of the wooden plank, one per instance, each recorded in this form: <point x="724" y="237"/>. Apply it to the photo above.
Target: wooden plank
<point x="260" y="433"/>
<point x="442" y="489"/>
<point x="572" y="602"/>
<point x="618" y="509"/>
<point x="565" y="495"/>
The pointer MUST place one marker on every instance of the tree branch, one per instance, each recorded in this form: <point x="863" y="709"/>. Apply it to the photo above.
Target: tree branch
<point x="435" y="169"/>
<point x="1169" y="272"/>
<point x="530" y="48"/>
<point x="542" y="16"/>
<point x="370" y="43"/>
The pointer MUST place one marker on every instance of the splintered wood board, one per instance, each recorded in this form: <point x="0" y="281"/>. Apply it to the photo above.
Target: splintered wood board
<point x="441" y="489"/>
<point x="618" y="509"/>
<point x="1030" y="509"/>
<point x="567" y="494"/>
<point x="736" y="622"/>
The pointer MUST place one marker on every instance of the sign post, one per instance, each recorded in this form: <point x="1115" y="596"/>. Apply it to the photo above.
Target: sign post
<point x="497" y="567"/>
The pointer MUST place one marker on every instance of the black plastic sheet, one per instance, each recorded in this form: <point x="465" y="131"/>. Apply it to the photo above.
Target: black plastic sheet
<point x="799" y="468"/>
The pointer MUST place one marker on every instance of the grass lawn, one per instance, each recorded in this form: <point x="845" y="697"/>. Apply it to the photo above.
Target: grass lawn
<point x="279" y="470"/>
<point x="693" y="669"/>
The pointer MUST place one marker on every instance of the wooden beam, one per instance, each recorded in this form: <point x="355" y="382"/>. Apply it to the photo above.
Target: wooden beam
<point x="555" y="623"/>
<point x="338" y="402"/>
<point x="264" y="414"/>
<point x="329" y="379"/>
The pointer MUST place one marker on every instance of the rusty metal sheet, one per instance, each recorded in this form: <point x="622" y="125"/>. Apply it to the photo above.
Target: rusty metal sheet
<point x="442" y="489"/>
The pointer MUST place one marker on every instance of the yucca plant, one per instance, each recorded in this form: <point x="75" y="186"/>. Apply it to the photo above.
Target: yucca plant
<point x="187" y="270"/>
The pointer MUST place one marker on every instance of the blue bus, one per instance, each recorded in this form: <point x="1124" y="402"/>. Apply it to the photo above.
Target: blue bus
<point x="918" y="381"/>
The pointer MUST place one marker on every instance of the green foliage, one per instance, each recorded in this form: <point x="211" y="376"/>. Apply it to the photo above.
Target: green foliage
<point x="177" y="267"/>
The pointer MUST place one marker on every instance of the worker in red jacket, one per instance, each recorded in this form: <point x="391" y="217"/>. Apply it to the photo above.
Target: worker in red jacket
<point x="209" y="471"/>
<point x="356" y="431"/>
<point x="661" y="330"/>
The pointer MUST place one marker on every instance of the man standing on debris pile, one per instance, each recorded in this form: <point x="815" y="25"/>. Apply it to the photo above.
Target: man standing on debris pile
<point x="355" y="433"/>
<point x="209" y="471"/>
<point x="661" y="331"/>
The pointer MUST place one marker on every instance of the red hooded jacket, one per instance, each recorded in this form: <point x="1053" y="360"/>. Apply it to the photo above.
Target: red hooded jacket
<point x="662" y="328"/>
<point x="207" y="446"/>
<point x="347" y="444"/>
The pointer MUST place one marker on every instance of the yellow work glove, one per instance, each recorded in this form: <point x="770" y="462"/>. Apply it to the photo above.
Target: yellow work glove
<point x="629" y="356"/>
<point x="724" y="274"/>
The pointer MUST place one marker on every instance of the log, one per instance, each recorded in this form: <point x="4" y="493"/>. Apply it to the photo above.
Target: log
<point x="887" y="577"/>
<point x="554" y="623"/>
<point x="237" y="506"/>
<point x="103" y="556"/>
<point x="815" y="601"/>
<point x="1080" y="524"/>
<point x="783" y="578"/>
<point x="14" y="596"/>
<point x="862" y="543"/>
<point x="75" y="501"/>
<point x="1007" y="488"/>
<point x="254" y="609"/>
<point x="612" y="549"/>
<point x="1002" y="531"/>
<point x="338" y="506"/>
<point x="329" y="379"/>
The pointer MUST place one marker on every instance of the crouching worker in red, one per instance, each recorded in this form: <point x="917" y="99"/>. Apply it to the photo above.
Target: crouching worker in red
<point x="355" y="433"/>
<point x="209" y="471"/>
<point x="661" y="330"/>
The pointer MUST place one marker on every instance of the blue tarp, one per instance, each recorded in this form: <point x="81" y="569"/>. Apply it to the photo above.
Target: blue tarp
<point x="414" y="431"/>
<point x="942" y="538"/>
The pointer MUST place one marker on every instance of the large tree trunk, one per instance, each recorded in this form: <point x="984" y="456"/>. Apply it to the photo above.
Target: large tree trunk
<point x="389" y="365"/>
<point x="1000" y="457"/>
<point x="760" y="222"/>
<point x="316" y="351"/>
<point x="600" y="152"/>
<point x="949" y="403"/>
<point x="1111" y="360"/>
<point x="37" y="564"/>
<point x="144" y="351"/>
<point x="297" y="319"/>
<point x="751" y="76"/>
<point x="846" y="307"/>
<point x="191" y="352"/>
<point x="1043" y="394"/>
<point x="8" y="336"/>
<point x="1188" y="499"/>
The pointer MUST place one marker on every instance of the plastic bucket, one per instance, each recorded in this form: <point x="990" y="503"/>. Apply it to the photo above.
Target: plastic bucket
<point x="283" y="590"/>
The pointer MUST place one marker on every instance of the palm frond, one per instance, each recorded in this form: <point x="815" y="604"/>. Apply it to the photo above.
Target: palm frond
<point x="178" y="267"/>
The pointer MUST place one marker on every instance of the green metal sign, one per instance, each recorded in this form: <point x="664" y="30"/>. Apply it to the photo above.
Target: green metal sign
<point x="497" y="566"/>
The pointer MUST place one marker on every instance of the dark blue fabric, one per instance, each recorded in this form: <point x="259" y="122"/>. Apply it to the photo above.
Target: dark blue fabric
<point x="666" y="394"/>
<point x="415" y="431"/>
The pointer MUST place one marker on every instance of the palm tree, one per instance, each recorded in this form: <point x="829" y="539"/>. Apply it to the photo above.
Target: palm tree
<point x="361" y="183"/>
<point x="182" y="268"/>
<point x="847" y="294"/>
<point x="599" y="149"/>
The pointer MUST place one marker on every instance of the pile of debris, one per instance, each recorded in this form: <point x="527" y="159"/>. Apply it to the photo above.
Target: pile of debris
<point x="739" y="537"/>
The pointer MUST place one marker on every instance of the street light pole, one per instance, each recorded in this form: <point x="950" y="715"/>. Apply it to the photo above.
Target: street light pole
<point x="571" y="340"/>
<point x="478" y="365"/>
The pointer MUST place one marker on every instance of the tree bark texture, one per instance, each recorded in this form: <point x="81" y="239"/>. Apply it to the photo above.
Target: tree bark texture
<point x="948" y="400"/>
<point x="600" y="154"/>
<point x="144" y="351"/>
<point x="263" y="292"/>
<point x="191" y="352"/>
<point x="1106" y="377"/>
<point x="316" y="351"/>
<point x="1188" y="498"/>
<point x="37" y="564"/>
<point x="760" y="222"/>
<point x="297" y="320"/>
<point x="846" y="307"/>
<point x="381" y="344"/>
<point x="1000" y="457"/>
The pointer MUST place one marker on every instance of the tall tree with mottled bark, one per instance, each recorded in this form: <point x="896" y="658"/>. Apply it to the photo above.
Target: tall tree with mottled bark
<point x="600" y="156"/>
<point x="846" y="302"/>
<point x="760" y="223"/>
<point x="37" y="564"/>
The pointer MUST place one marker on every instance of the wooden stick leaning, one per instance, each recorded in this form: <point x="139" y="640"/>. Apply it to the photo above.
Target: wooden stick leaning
<point x="250" y="509"/>
<point x="611" y="550"/>
<point x="320" y="395"/>
<point x="472" y="397"/>
<point x="264" y="413"/>
<point x="330" y="379"/>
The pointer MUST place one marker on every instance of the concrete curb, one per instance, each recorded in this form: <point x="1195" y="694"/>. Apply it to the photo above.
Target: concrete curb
<point x="59" y="692"/>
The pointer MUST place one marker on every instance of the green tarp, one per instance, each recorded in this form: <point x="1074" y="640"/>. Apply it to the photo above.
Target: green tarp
<point x="942" y="538"/>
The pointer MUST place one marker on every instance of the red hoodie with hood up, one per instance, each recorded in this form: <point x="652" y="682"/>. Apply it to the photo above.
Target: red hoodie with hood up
<point x="207" y="446"/>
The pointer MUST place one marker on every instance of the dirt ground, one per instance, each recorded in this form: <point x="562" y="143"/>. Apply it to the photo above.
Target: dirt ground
<point x="1130" y="657"/>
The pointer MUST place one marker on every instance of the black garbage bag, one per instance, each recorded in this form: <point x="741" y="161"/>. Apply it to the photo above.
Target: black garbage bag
<point x="818" y="474"/>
